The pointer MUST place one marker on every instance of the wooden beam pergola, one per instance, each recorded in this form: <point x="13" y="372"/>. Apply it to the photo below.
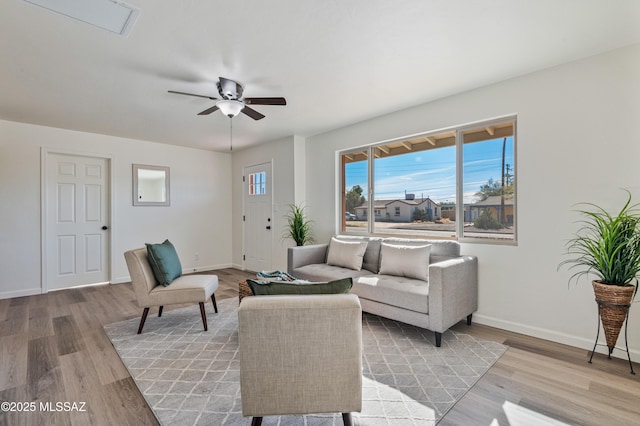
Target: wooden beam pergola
<point x="434" y="141"/>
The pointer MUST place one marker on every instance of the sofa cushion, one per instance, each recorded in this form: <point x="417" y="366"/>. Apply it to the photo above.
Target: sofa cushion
<point x="346" y="254"/>
<point x="405" y="261"/>
<point x="402" y="292"/>
<point x="262" y="288"/>
<point x="324" y="272"/>
<point x="440" y="249"/>
<point x="371" y="259"/>
<point x="191" y="288"/>
<point x="164" y="262"/>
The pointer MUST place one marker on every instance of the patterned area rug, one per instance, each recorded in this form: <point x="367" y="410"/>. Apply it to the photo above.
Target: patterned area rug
<point x="191" y="377"/>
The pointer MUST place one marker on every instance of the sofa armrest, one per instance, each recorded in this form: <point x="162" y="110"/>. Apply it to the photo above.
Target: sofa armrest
<point x="306" y="255"/>
<point x="453" y="291"/>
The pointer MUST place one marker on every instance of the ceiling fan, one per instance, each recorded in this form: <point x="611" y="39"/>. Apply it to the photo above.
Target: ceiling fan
<point x="232" y="102"/>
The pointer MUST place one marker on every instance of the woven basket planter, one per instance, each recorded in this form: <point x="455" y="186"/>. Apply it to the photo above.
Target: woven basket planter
<point x="614" y="302"/>
<point x="243" y="290"/>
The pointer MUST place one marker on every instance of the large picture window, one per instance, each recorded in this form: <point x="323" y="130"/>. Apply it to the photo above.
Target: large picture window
<point x="459" y="183"/>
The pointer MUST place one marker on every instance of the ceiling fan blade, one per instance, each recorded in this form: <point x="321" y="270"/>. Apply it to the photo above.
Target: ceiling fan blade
<point x="252" y="113"/>
<point x="208" y="110"/>
<point x="266" y="101"/>
<point x="230" y="89"/>
<point x="193" y="94"/>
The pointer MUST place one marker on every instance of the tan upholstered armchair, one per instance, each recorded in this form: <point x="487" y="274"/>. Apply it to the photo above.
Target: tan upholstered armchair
<point x="184" y="289"/>
<point x="300" y="355"/>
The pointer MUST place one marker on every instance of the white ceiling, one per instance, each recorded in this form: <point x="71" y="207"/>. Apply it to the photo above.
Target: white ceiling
<point x="336" y="62"/>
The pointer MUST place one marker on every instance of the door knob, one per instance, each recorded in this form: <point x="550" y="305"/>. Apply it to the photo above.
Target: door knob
<point x="268" y="227"/>
<point x="104" y="228"/>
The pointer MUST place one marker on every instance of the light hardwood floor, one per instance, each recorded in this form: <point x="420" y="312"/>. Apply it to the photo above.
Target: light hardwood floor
<point x="53" y="349"/>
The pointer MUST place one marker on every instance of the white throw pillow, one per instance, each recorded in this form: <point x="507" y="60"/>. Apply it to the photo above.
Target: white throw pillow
<point x="405" y="261"/>
<point x="347" y="254"/>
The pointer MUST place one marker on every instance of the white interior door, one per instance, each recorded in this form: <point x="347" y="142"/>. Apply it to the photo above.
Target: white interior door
<point x="76" y="217"/>
<point x="258" y="224"/>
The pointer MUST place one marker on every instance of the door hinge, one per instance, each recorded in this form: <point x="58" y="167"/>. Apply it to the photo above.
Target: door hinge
<point x="244" y="218"/>
<point x="243" y="178"/>
<point x="244" y="257"/>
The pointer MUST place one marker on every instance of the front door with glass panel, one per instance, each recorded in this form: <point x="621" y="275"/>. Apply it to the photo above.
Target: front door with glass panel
<point x="258" y="224"/>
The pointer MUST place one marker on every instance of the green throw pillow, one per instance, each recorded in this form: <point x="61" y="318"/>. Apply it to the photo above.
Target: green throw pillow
<point x="164" y="262"/>
<point x="262" y="288"/>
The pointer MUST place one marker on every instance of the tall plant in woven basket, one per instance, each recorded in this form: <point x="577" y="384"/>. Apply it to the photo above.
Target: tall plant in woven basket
<point x="608" y="246"/>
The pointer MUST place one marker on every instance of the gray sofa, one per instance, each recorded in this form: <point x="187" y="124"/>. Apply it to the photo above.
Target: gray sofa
<point x="444" y="295"/>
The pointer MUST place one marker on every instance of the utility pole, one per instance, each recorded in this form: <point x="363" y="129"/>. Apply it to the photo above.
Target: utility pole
<point x="508" y="177"/>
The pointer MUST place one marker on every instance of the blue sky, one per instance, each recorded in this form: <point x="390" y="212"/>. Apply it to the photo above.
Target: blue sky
<point x="432" y="173"/>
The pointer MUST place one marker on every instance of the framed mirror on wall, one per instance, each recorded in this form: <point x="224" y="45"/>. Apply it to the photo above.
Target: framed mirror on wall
<point x="150" y="185"/>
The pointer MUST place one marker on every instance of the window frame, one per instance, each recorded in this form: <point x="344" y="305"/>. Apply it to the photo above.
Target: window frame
<point x="459" y="130"/>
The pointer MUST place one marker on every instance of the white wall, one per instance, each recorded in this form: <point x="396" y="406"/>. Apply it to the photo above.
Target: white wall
<point x="196" y="222"/>
<point x="286" y="187"/>
<point x="578" y="128"/>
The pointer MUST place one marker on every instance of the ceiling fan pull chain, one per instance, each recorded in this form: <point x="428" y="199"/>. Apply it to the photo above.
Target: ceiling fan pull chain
<point x="230" y="134"/>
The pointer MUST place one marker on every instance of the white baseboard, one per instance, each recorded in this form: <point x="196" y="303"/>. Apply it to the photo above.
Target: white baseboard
<point x="20" y="293"/>
<point x="554" y="336"/>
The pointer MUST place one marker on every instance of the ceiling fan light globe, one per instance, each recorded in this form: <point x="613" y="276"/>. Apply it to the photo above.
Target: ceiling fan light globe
<point x="230" y="107"/>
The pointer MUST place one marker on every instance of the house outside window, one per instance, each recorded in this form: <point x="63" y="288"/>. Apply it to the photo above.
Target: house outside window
<point x="457" y="183"/>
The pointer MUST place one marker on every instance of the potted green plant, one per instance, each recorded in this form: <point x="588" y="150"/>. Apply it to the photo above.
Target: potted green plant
<point x="608" y="246"/>
<point x="298" y="226"/>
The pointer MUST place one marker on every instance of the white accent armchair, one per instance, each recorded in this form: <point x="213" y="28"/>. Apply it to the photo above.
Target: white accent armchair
<point x="184" y="289"/>
<point x="300" y="355"/>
